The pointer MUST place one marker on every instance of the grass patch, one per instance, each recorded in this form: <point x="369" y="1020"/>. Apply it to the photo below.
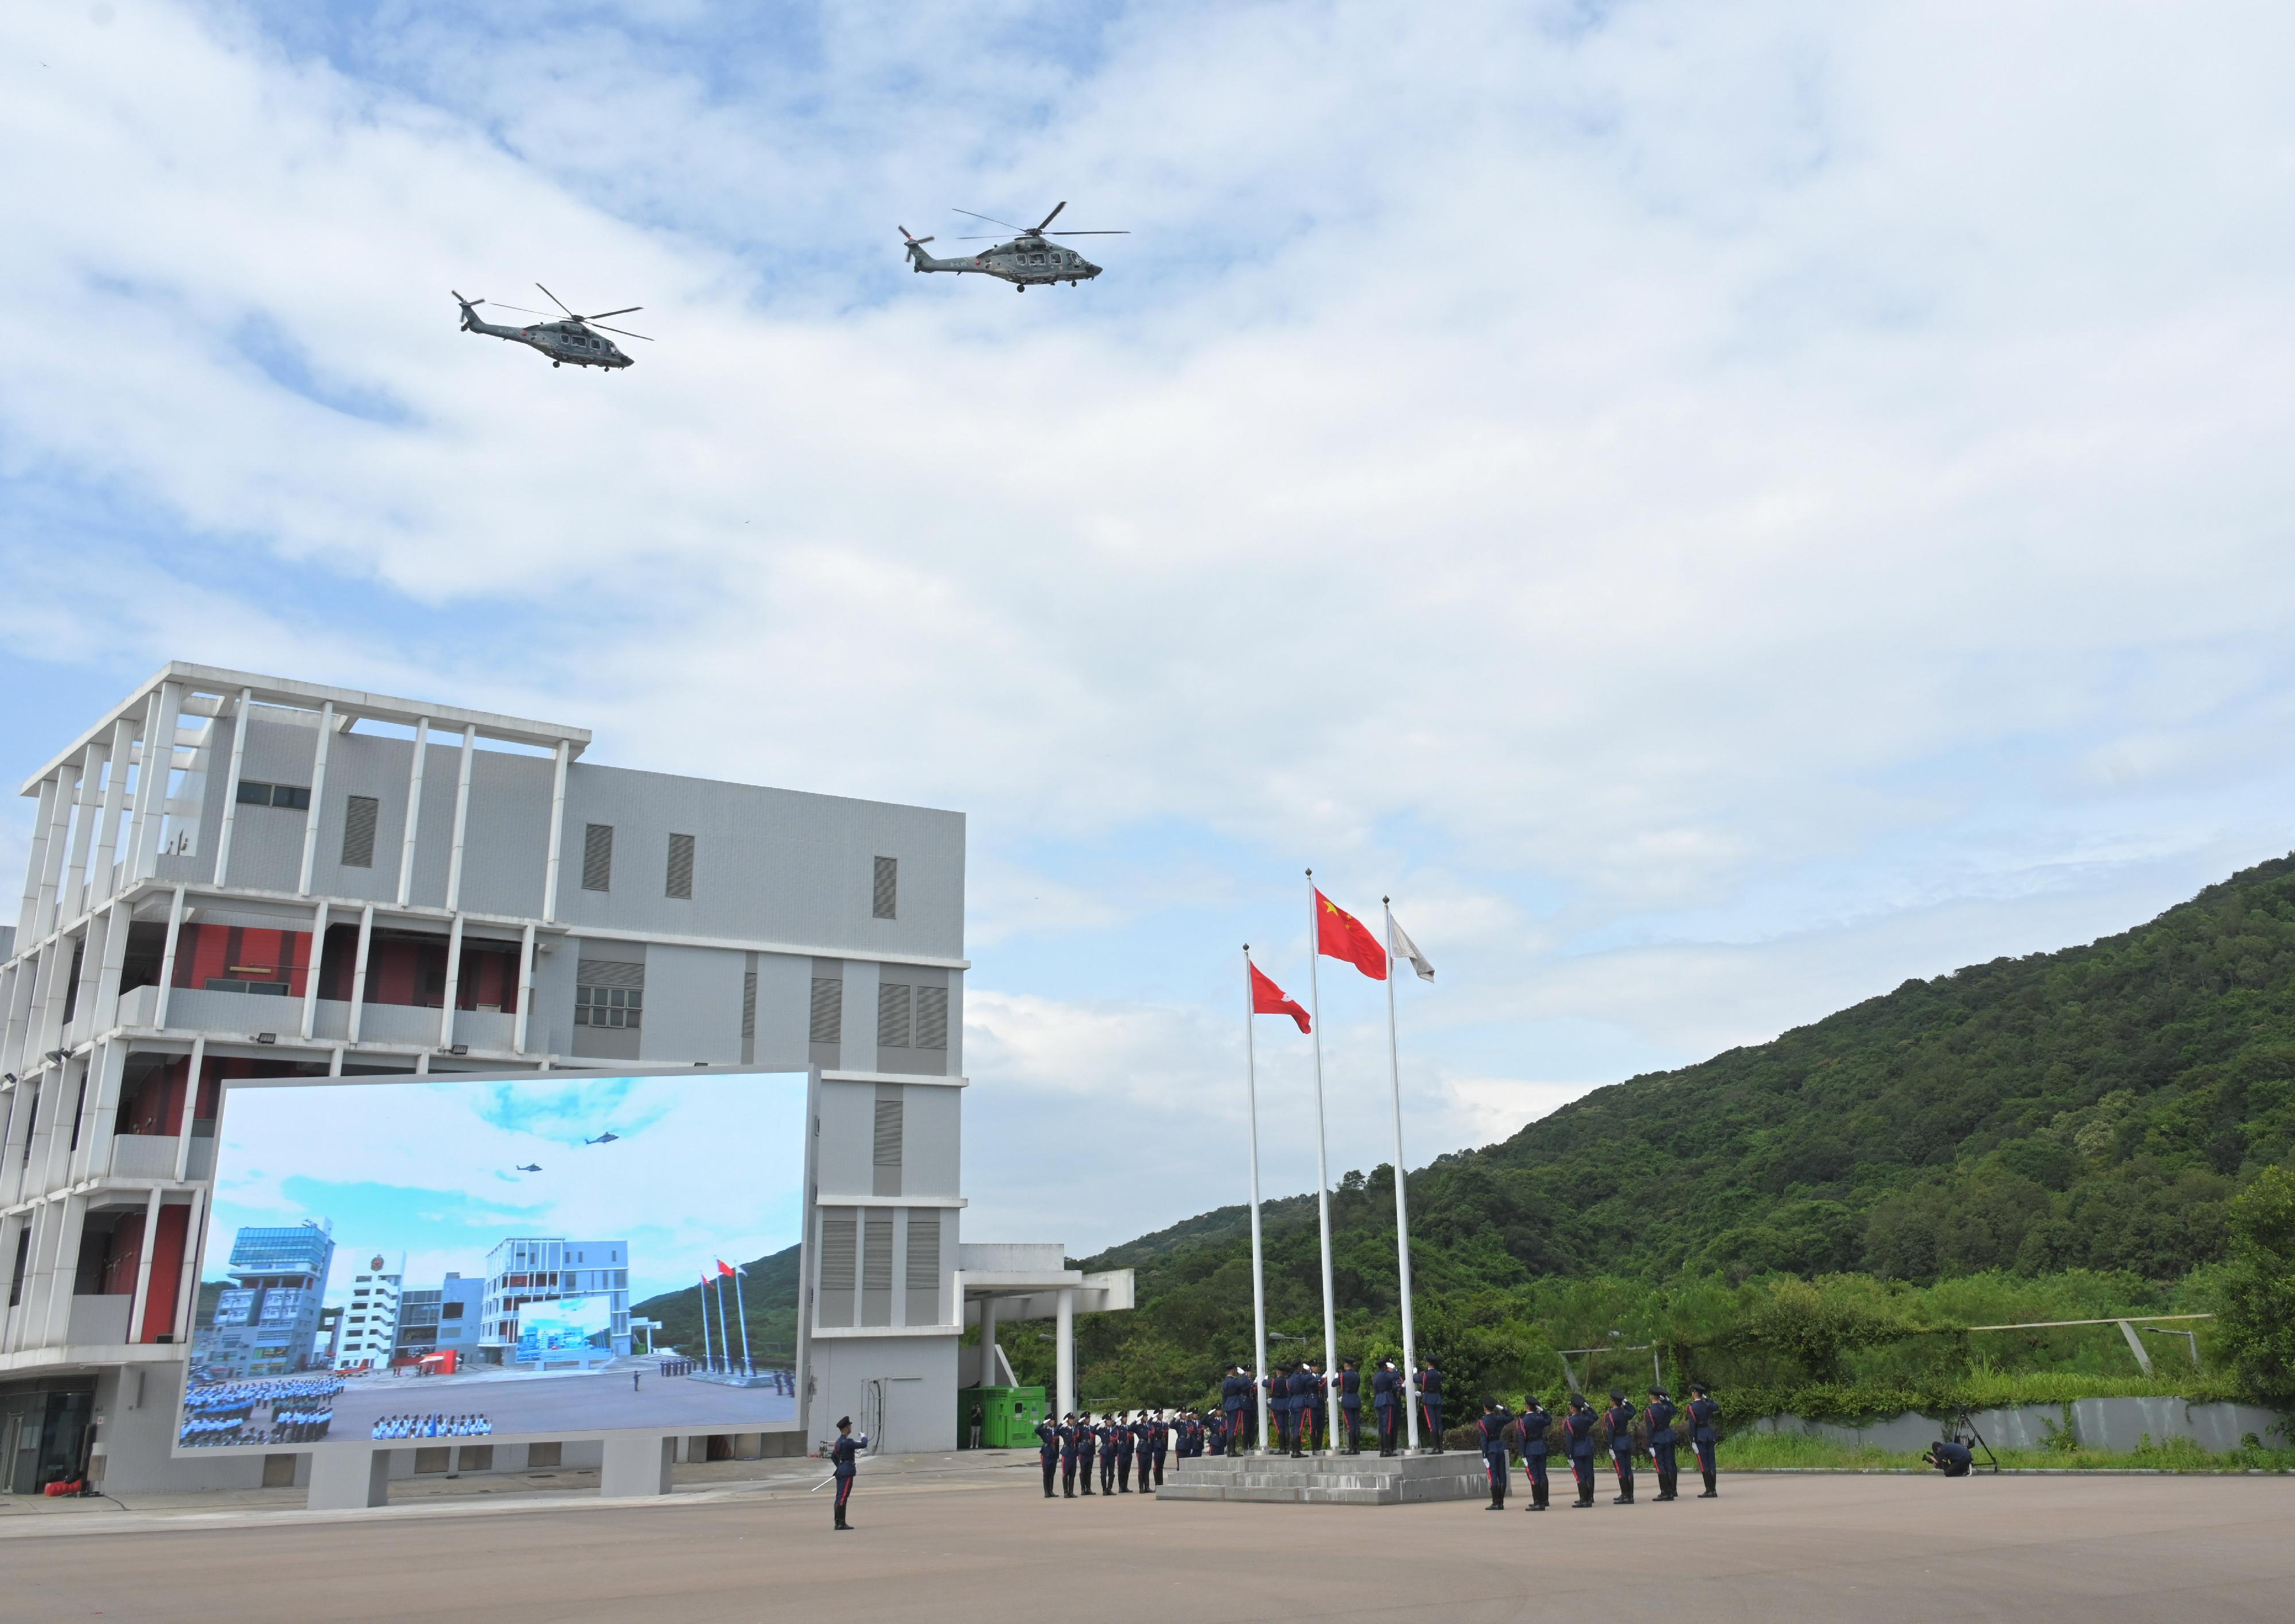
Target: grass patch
<point x="1752" y="1451"/>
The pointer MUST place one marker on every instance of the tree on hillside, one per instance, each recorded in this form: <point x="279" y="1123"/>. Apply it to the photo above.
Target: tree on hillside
<point x="2255" y="1291"/>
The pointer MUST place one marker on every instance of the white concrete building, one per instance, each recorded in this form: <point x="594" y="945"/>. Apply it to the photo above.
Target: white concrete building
<point x="371" y="1317"/>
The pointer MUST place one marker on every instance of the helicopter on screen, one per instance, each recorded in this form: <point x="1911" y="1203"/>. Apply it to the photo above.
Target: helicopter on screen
<point x="562" y="339"/>
<point x="1029" y="259"/>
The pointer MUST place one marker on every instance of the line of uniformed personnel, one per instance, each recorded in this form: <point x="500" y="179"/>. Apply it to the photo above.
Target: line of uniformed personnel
<point x="1622" y="1431"/>
<point x="1129" y="1445"/>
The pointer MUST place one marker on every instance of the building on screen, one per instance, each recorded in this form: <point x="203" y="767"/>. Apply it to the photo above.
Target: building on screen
<point x="267" y="1318"/>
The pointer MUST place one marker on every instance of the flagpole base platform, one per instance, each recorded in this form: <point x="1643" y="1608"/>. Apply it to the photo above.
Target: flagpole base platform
<point x="1328" y="1480"/>
<point x="736" y="1378"/>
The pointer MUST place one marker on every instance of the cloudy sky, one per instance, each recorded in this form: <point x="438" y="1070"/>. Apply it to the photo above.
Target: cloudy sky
<point x="1716" y="509"/>
<point x="434" y="1171"/>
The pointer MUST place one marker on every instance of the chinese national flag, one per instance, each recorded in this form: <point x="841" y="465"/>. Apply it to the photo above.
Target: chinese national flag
<point x="1268" y="999"/>
<point x="1339" y="935"/>
<point x="725" y="1272"/>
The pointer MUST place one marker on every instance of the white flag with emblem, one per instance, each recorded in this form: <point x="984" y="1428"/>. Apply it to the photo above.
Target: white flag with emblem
<point x="1405" y="948"/>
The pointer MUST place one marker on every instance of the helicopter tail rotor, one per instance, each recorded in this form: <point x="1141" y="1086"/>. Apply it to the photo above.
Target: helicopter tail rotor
<point x="470" y="308"/>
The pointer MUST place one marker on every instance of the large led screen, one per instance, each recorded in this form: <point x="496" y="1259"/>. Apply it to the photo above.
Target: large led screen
<point x="538" y="1257"/>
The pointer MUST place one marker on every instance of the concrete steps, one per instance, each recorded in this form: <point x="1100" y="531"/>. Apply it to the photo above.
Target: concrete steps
<point x="1328" y="1480"/>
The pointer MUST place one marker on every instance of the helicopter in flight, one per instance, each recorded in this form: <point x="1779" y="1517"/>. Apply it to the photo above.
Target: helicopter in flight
<point x="570" y="339"/>
<point x="603" y="1138"/>
<point x="1029" y="259"/>
<point x="529" y="1167"/>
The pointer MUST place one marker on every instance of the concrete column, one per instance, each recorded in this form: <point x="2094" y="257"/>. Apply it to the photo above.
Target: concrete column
<point x="318" y="958"/>
<point x="318" y="797"/>
<point x="10" y="1228"/>
<point x="358" y="970"/>
<point x="159" y="765"/>
<point x="635" y="1465"/>
<point x="189" y="1274"/>
<point x="167" y="959"/>
<point x="557" y="836"/>
<point x="52" y="874"/>
<point x="115" y="803"/>
<point x="72" y="893"/>
<point x="525" y="986"/>
<point x="118" y="918"/>
<point x="35" y="863"/>
<point x="345" y="1479"/>
<point x="199" y="1059"/>
<point x="107" y="1068"/>
<point x="230" y="783"/>
<point x="16" y="1019"/>
<point x="413" y="810"/>
<point x="462" y="819"/>
<point x="144" y="1269"/>
<point x="1063" y="1356"/>
<point x="453" y="983"/>
<point x="67" y="1221"/>
<point x="987" y="1377"/>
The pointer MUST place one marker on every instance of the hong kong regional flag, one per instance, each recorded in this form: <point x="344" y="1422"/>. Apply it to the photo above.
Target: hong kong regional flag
<point x="1339" y="935"/>
<point x="1268" y="999"/>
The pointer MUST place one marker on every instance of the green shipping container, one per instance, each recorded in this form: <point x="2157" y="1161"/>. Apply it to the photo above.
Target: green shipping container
<point x="1008" y="1416"/>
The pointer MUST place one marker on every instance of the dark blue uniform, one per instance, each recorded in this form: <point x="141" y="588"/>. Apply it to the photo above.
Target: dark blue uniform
<point x="1704" y="1433"/>
<point x="1534" y="1426"/>
<point x="1215" y="1429"/>
<point x="1387" y="1407"/>
<point x="1071" y="1441"/>
<point x="1111" y="1438"/>
<point x="1619" y="1419"/>
<point x="1578" y="1429"/>
<point x="1490" y="1430"/>
<point x="1660" y="1416"/>
<point x="1430" y="1404"/>
<point x="1087" y="1446"/>
<point x="1953" y="1458"/>
<point x="1048" y="1451"/>
<point x="1350" y="1411"/>
<point x="1160" y="1433"/>
<point x="1301" y="1385"/>
<point x="1234" y="1400"/>
<point x="842" y="1457"/>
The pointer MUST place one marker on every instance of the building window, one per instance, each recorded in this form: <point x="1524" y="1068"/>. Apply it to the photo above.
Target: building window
<point x="828" y="1009"/>
<point x="296" y="797"/>
<point x="618" y="1007"/>
<point x="597" y="857"/>
<point x="359" y="815"/>
<point x="680" y="867"/>
<point x="932" y="1018"/>
<point x="891" y="1014"/>
<point x="887" y="898"/>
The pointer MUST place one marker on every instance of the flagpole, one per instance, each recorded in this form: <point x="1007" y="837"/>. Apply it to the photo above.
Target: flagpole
<point x="1401" y="1205"/>
<point x="1322" y="1167"/>
<point x="709" y="1352"/>
<point x="724" y="1331"/>
<point x="741" y="1307"/>
<point x="1258" y="1262"/>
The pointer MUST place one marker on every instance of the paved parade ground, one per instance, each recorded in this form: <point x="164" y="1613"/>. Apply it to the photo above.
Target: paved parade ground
<point x="943" y="1547"/>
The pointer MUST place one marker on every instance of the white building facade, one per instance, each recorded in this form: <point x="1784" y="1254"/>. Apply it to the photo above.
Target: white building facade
<point x="238" y="875"/>
<point x="370" y="1333"/>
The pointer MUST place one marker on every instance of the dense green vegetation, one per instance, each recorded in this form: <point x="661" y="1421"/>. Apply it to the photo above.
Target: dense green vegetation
<point x="2061" y="1136"/>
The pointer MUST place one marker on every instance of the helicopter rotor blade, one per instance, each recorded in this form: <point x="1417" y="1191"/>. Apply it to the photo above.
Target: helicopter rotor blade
<point x="521" y="309"/>
<point x="993" y="220"/>
<point x="1087" y="234"/>
<point x="561" y="303"/>
<point x="1055" y="215"/>
<point x="625" y="310"/>
<point x="601" y="327"/>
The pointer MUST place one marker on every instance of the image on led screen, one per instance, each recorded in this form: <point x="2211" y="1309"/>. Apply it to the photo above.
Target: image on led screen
<point x="541" y="1257"/>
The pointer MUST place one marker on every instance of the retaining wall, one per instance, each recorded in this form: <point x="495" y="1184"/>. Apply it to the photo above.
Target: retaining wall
<point x="2113" y="1425"/>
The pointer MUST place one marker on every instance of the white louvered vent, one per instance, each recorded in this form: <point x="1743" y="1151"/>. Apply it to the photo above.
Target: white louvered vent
<point x="932" y="1018"/>
<point x="888" y="1149"/>
<point x="609" y="973"/>
<point x="680" y="866"/>
<point x="828" y="1009"/>
<point x="893" y="1014"/>
<point x="876" y="1253"/>
<point x="887" y="898"/>
<point x="597" y="857"/>
<point x="749" y="1005"/>
<point x="836" y="1253"/>
<point x="359" y="816"/>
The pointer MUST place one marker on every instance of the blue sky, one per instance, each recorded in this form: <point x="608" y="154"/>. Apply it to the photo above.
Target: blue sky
<point x="434" y="1171"/>
<point x="1717" y="510"/>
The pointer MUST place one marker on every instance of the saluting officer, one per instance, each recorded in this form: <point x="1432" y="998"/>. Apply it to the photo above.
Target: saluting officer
<point x="1215" y="1426"/>
<point x="1705" y="1434"/>
<point x="1350" y="1407"/>
<point x="1322" y="1430"/>
<point x="1430" y="1402"/>
<point x="1118" y="1448"/>
<point x="841" y="1455"/>
<point x="1048" y="1451"/>
<point x="1110" y="1428"/>
<point x="1071" y="1443"/>
<point x="1087" y="1446"/>
<point x="1161" y="1432"/>
<point x="1659" y="1417"/>
<point x="1303" y="1404"/>
<point x="1619" y="1419"/>
<point x="1387" y="1403"/>
<point x="1531" y="1429"/>
<point x="1578" y="1427"/>
<point x="1491" y="1430"/>
<point x="1276" y="1385"/>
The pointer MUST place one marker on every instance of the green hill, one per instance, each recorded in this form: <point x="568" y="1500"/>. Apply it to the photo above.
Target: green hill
<point x="2083" y="1114"/>
<point x="769" y="1294"/>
